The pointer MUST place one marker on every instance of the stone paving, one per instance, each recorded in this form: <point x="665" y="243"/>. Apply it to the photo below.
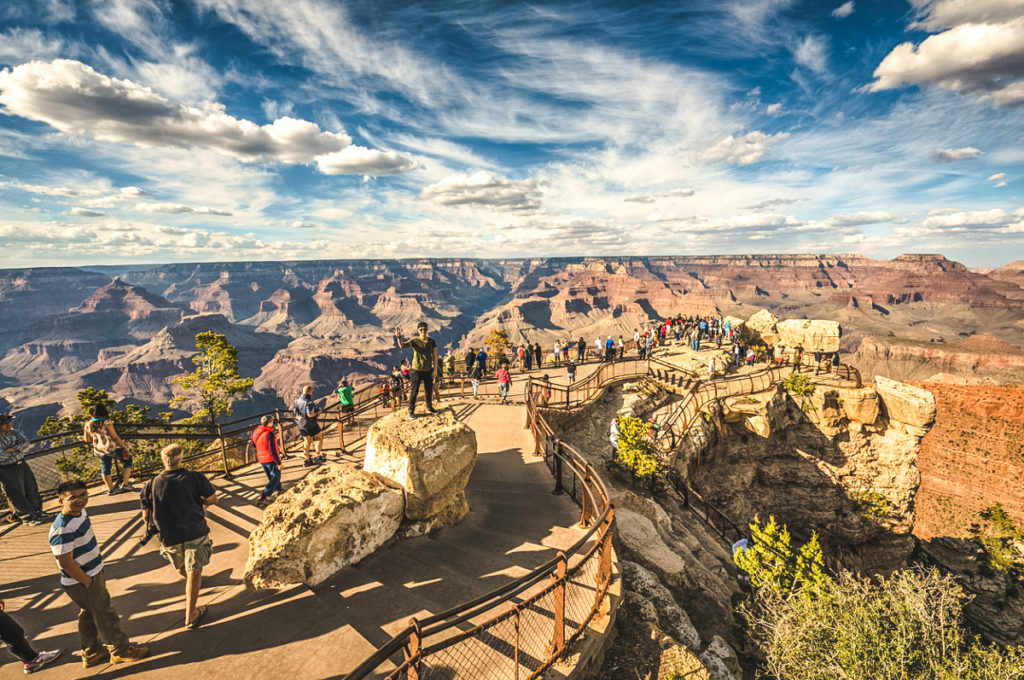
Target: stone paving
<point x="299" y="632"/>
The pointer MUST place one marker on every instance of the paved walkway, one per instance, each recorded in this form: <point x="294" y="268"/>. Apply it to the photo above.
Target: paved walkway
<point x="514" y="525"/>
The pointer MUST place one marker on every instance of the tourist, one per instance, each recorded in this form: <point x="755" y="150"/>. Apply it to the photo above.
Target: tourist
<point x="267" y="454"/>
<point x="481" y="361"/>
<point x="778" y="354"/>
<point x="581" y="350"/>
<point x="737" y="352"/>
<point x="798" y="355"/>
<point x="558" y="353"/>
<point x="16" y="478"/>
<point x="711" y="368"/>
<point x="397" y="384"/>
<point x="470" y="359"/>
<point x="741" y="546"/>
<point x="82" y="579"/>
<point x="545" y="391"/>
<point x="384" y="393"/>
<point x="474" y="378"/>
<point x="424" y="359"/>
<point x="751" y="356"/>
<point x="609" y="349"/>
<point x="504" y="382"/>
<point x="346" y="402"/>
<point x="176" y="504"/>
<point x="306" y="412"/>
<point x="622" y="347"/>
<point x="521" y="357"/>
<point x="14" y="637"/>
<point x="528" y="356"/>
<point x="100" y="433"/>
<point x="613" y="435"/>
<point x="449" y="366"/>
<point x="570" y="369"/>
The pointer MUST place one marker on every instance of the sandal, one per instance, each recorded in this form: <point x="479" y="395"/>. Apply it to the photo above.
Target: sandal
<point x="194" y="623"/>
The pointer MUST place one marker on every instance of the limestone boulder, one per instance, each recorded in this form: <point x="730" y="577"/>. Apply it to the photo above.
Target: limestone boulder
<point x="860" y="405"/>
<point x="764" y="322"/>
<point x="910" y="409"/>
<point x="333" y="518"/>
<point x="641" y="542"/>
<point x="813" y="335"/>
<point x="431" y="458"/>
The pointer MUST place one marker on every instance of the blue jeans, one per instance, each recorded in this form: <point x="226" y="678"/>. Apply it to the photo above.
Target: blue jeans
<point x="503" y="388"/>
<point x="273" y="477"/>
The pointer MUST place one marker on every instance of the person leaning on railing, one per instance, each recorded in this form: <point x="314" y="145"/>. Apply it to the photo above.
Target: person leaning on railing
<point x="16" y="476"/>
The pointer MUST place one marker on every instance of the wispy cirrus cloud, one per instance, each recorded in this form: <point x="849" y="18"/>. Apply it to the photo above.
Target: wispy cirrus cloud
<point x="949" y="155"/>
<point x="484" y="189"/>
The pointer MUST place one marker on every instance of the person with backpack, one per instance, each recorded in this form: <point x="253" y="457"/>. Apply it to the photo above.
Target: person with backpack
<point x="570" y="369"/>
<point x="100" y="433"/>
<point x="306" y="412"/>
<point x="267" y="454"/>
<point x="475" y="376"/>
<point x="470" y="359"/>
<point x="16" y="478"/>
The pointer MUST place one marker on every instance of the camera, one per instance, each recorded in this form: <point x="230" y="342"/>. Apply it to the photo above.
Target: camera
<point x="151" y="531"/>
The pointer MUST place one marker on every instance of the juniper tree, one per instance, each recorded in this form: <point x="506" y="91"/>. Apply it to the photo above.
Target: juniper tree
<point x="207" y="391"/>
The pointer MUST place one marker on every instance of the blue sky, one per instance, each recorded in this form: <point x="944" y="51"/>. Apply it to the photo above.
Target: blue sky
<point x="186" y="130"/>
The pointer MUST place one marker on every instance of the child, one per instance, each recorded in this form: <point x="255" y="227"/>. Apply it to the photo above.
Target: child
<point x="571" y="370"/>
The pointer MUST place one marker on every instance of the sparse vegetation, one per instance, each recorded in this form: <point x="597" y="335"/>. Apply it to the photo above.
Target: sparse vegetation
<point x="810" y="627"/>
<point x="1000" y="539"/>
<point x="801" y="387"/>
<point x="208" y="390"/>
<point x="497" y="343"/>
<point x="636" y="452"/>
<point x="871" y="503"/>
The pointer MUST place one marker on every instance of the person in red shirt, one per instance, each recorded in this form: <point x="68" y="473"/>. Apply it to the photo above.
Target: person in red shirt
<point x="504" y="381"/>
<point x="265" y="440"/>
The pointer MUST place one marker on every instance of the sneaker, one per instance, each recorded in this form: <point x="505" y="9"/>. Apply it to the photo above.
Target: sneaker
<point x="100" y="657"/>
<point x="413" y="415"/>
<point x="41" y="660"/>
<point x="113" y="492"/>
<point x="132" y="652"/>
<point x="431" y="409"/>
<point x="262" y="503"/>
<point x="34" y="521"/>
<point x="128" y="487"/>
<point x="321" y="459"/>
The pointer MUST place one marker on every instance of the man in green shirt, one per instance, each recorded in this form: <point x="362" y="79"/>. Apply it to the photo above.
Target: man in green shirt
<point x="348" y="406"/>
<point x="424" y="359"/>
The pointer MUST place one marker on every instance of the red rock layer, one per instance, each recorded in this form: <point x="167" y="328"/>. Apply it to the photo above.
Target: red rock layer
<point x="972" y="458"/>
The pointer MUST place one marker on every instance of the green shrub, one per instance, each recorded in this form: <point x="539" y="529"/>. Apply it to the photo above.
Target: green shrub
<point x="636" y="452"/>
<point x="996" y="535"/>
<point x="871" y="503"/>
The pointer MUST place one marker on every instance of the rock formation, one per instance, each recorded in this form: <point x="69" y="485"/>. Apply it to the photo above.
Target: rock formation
<point x="336" y="516"/>
<point x="431" y="458"/>
<point x="812" y="335"/>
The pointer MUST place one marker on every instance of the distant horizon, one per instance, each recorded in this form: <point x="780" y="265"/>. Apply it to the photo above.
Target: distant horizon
<point x="97" y="267"/>
<point x="158" y="132"/>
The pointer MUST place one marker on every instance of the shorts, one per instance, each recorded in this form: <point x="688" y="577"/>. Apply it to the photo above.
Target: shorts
<point x="348" y="408"/>
<point x="311" y="429"/>
<point x="107" y="461"/>
<point x="193" y="555"/>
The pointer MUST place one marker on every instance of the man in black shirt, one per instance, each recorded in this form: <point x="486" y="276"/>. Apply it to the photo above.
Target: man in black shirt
<point x="175" y="501"/>
<point x="424" y="359"/>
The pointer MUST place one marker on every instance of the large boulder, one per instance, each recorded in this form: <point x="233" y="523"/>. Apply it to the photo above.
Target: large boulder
<point x="431" y="457"/>
<point x="910" y="409"/>
<point x="333" y="518"/>
<point x="813" y="334"/>
<point x="763" y="322"/>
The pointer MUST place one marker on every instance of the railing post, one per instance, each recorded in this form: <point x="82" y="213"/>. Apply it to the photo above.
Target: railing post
<point x="586" y="502"/>
<point x="412" y="651"/>
<point x="558" y="638"/>
<point x="341" y="435"/>
<point x="223" y="451"/>
<point x="604" y="574"/>
<point x="568" y="388"/>
<point x="558" y="467"/>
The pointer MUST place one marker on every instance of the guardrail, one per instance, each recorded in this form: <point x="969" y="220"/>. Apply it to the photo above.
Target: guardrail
<point x="532" y="622"/>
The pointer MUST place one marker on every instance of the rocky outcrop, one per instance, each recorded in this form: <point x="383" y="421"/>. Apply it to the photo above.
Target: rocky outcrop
<point x="431" y="458"/>
<point x="909" y="409"/>
<point x="336" y="516"/>
<point x="764" y="322"/>
<point x="813" y="335"/>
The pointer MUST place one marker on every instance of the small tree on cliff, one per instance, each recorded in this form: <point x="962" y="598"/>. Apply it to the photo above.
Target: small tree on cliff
<point x="771" y="563"/>
<point x="497" y="342"/>
<point x="636" y="452"/>
<point x="208" y="390"/>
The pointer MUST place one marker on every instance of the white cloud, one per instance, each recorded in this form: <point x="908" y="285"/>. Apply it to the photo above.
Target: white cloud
<point x="998" y="185"/>
<point x="948" y="155"/>
<point x="178" y="209"/>
<point x="844" y="10"/>
<point x="651" y="198"/>
<point x="980" y="51"/>
<point x="358" y="160"/>
<point x="743" y="150"/>
<point x="84" y="212"/>
<point x="75" y="99"/>
<point x="859" y="218"/>
<point x="21" y="44"/>
<point x="812" y="53"/>
<point x="486" y="190"/>
<point x="967" y="218"/>
<point x="996" y="177"/>
<point x="303" y="224"/>
<point x="773" y="109"/>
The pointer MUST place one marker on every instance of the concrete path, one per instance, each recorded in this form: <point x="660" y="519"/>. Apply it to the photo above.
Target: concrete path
<point x="514" y="525"/>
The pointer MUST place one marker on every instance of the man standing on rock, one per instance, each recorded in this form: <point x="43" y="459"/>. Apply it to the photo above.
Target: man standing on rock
<point x="175" y="501"/>
<point x="424" y="358"/>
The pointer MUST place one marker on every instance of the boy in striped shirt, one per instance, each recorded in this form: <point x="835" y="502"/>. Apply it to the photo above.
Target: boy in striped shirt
<point x="81" y="577"/>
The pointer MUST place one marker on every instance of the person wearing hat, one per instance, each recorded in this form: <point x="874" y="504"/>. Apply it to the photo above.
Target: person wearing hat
<point x="424" y="359"/>
<point x="16" y="476"/>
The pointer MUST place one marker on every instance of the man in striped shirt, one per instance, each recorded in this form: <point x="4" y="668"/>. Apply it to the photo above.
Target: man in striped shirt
<point x="81" y="576"/>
